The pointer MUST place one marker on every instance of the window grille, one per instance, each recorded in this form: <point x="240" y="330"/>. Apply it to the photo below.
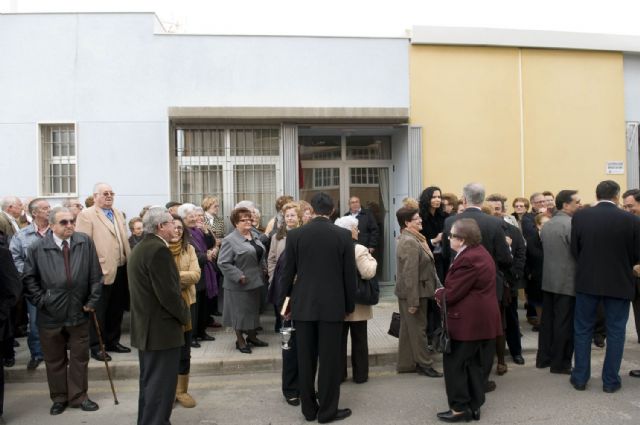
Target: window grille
<point x="364" y="176"/>
<point x="59" y="160"/>
<point x="326" y="178"/>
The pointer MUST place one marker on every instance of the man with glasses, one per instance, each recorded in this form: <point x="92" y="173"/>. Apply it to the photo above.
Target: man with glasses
<point x="62" y="278"/>
<point x="74" y="205"/>
<point x="20" y="244"/>
<point x="106" y="226"/>
<point x="538" y="206"/>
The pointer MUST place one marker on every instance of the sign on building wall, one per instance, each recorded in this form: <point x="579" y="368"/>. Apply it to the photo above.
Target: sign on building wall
<point x="615" y="167"/>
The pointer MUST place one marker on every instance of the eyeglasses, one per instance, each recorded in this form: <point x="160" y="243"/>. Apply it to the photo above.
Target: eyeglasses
<point x="246" y="220"/>
<point x="179" y="229"/>
<point x="454" y="236"/>
<point x="79" y="206"/>
<point x="66" y="222"/>
<point x="107" y="193"/>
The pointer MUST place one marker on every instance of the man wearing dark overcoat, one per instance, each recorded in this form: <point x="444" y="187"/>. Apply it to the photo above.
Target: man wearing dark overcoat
<point x="320" y="257"/>
<point x="10" y="289"/>
<point x="158" y="314"/>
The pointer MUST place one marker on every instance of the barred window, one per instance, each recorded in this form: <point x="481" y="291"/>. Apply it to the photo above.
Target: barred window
<point x="326" y="178"/>
<point x="59" y="160"/>
<point x="364" y="176"/>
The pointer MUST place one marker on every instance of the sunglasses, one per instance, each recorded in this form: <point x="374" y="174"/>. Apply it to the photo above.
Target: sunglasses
<point x="68" y="222"/>
<point x="108" y="194"/>
<point x="454" y="236"/>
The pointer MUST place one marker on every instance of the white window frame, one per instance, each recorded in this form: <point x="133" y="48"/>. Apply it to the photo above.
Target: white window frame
<point x="60" y="159"/>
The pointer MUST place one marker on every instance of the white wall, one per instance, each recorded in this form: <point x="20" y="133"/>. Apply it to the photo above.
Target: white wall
<point x="113" y="77"/>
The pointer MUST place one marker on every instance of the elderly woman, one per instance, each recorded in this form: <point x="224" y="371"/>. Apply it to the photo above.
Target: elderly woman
<point x="307" y="211"/>
<point x="215" y="223"/>
<point x="416" y="282"/>
<point x="241" y="261"/>
<point x="187" y="262"/>
<point x="357" y="321"/>
<point x="473" y="321"/>
<point x="206" y="253"/>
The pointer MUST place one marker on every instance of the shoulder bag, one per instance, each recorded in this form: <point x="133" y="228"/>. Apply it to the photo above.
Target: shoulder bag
<point x="441" y="340"/>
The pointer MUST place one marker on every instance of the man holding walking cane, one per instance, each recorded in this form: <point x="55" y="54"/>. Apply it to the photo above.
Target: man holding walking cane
<point x="63" y="279"/>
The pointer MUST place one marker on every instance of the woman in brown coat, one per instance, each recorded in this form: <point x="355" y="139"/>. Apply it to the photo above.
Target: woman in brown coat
<point x="416" y="282"/>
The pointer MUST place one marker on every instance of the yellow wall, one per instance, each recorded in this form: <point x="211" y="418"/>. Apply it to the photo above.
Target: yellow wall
<point x="470" y="100"/>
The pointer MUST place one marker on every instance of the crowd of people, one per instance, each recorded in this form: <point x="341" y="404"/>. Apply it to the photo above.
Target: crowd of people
<point x="178" y="268"/>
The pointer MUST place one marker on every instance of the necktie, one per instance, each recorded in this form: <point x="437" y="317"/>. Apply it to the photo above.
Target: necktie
<point x="67" y="261"/>
<point x="109" y="214"/>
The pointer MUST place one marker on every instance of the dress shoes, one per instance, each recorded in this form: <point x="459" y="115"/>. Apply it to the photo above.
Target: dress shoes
<point x="635" y="373"/>
<point x="518" y="359"/>
<point x="206" y="337"/>
<point x="87" y="405"/>
<point x="33" y="363"/>
<point x="293" y="401"/>
<point x="16" y="343"/>
<point x="97" y="355"/>
<point x="195" y="343"/>
<point x="57" y="407"/>
<point x="9" y="362"/>
<point x="598" y="341"/>
<point x="340" y="415"/>
<point x="489" y="386"/>
<point x="475" y="414"/>
<point x="118" y="348"/>
<point x="428" y="371"/>
<point x="449" y="416"/>
<point x="257" y="343"/>
<point x="577" y="386"/>
<point x="245" y="349"/>
<point x="565" y="371"/>
<point x="611" y="390"/>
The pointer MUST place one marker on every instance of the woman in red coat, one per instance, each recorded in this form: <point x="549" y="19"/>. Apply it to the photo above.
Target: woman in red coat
<point x="473" y="320"/>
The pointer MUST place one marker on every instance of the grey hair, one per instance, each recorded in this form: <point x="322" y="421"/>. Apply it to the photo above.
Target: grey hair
<point x="154" y="217"/>
<point x="199" y="209"/>
<point x="67" y="202"/>
<point x="56" y="210"/>
<point x="185" y="209"/>
<point x="7" y="201"/>
<point x="346" y="222"/>
<point x="97" y="185"/>
<point x="245" y="204"/>
<point x="473" y="193"/>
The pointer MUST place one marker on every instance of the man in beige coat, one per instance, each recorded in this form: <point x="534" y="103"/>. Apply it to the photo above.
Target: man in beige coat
<point x="106" y="226"/>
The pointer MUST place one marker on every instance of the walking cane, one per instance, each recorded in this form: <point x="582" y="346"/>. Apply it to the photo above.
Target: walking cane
<point x="104" y="356"/>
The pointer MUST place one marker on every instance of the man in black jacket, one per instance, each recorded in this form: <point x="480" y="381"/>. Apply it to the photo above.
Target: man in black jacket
<point x="63" y="279"/>
<point x="604" y="242"/>
<point x="320" y="256"/>
<point x="10" y="289"/>
<point x="368" y="233"/>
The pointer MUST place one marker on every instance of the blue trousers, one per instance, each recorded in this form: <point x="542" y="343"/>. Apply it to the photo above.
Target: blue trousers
<point x="33" y="340"/>
<point x="616" y="312"/>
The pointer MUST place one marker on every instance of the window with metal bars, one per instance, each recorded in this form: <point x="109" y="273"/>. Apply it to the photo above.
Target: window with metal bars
<point x="59" y="160"/>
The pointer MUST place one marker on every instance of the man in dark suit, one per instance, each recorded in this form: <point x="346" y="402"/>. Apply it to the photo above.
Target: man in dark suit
<point x="10" y="288"/>
<point x="493" y="239"/>
<point x="321" y="257"/>
<point x="368" y="233"/>
<point x="604" y="242"/>
<point x="158" y="314"/>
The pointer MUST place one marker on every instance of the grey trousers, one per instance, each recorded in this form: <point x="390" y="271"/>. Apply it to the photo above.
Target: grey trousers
<point x="412" y="345"/>
<point x="158" y="379"/>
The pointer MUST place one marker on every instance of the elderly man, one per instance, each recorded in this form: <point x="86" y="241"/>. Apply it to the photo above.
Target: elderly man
<point x="158" y="314"/>
<point x="555" y="341"/>
<point x="74" y="205"/>
<point x="368" y="228"/>
<point x="11" y="211"/>
<point x="107" y="227"/>
<point x="63" y="280"/>
<point x="39" y="209"/>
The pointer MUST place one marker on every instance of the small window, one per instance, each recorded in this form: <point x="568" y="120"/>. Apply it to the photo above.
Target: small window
<point x="59" y="160"/>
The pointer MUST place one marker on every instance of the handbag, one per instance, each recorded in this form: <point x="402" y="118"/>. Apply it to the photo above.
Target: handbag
<point x="367" y="291"/>
<point x="441" y="340"/>
<point x="394" y="326"/>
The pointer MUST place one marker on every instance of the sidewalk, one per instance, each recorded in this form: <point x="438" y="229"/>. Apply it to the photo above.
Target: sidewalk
<point x="220" y="357"/>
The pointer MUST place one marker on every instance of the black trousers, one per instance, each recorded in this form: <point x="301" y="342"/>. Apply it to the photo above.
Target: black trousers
<point x="158" y="380"/>
<point x="185" y="355"/>
<point x="487" y="353"/>
<point x="110" y="310"/>
<point x="512" y="333"/>
<point x="1" y="388"/>
<point x="199" y="326"/>
<point x="359" y="350"/>
<point x="290" y="369"/>
<point x="636" y="308"/>
<point x="319" y="341"/>
<point x="463" y="374"/>
<point x="555" y="340"/>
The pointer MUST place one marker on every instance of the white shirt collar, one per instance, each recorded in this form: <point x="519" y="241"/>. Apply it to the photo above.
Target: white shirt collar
<point x="160" y="237"/>
<point x="59" y="241"/>
<point x="13" y="221"/>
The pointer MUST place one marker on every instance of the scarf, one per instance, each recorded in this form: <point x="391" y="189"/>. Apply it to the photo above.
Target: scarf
<point x="209" y="273"/>
<point x="175" y="248"/>
<point x="421" y="240"/>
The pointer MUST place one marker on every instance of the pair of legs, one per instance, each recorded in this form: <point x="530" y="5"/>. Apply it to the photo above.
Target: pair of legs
<point x="555" y="341"/>
<point x="359" y="350"/>
<point x="114" y="300"/>
<point x="158" y="380"/>
<point x="464" y="375"/>
<point x="412" y="344"/>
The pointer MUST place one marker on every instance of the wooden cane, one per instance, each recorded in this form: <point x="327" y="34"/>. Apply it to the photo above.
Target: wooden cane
<point x="104" y="356"/>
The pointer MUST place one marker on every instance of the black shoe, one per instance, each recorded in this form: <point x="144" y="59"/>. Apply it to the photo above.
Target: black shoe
<point x="87" y="405"/>
<point x="578" y="387"/>
<point x="518" y="359"/>
<point x="489" y="386"/>
<point x="475" y="414"/>
<point x="542" y="365"/>
<point x="16" y="343"/>
<point x="33" y="364"/>
<point x="449" y="416"/>
<point x="611" y="390"/>
<point x="340" y="415"/>
<point x="195" y="343"/>
<point x="118" y="348"/>
<point x="245" y="349"/>
<point x="535" y="328"/>
<point x="293" y="401"/>
<point x="97" y="355"/>
<point x="635" y="373"/>
<point x="57" y="407"/>
<point x="565" y="371"/>
<point x="598" y="341"/>
<point x="9" y="362"/>
<point x="206" y="337"/>
<point x="257" y="343"/>
<point x="428" y="371"/>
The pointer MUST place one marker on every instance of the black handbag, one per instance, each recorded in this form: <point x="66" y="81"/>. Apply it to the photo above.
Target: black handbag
<point x="367" y="291"/>
<point x="394" y="326"/>
<point x="441" y="340"/>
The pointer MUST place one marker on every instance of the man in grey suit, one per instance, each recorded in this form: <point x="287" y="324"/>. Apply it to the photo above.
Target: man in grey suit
<point x="555" y="340"/>
<point x="158" y="314"/>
